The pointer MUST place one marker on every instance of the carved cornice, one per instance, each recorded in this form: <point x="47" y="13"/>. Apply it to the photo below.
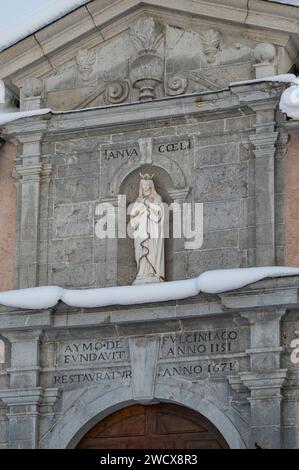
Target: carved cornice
<point x="36" y="172"/>
<point x="176" y="107"/>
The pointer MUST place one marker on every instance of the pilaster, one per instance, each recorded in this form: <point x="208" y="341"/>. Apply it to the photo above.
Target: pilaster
<point x="264" y="142"/>
<point x="265" y="378"/>
<point x="179" y="196"/>
<point x="28" y="174"/>
<point x="24" y="396"/>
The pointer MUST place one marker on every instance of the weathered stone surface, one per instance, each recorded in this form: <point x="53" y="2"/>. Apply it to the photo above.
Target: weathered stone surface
<point x="221" y="182"/>
<point x="71" y="276"/>
<point x="221" y="215"/>
<point x="221" y="258"/>
<point x="217" y="154"/>
<point x="75" y="190"/>
<point x="73" y="220"/>
<point x="79" y="251"/>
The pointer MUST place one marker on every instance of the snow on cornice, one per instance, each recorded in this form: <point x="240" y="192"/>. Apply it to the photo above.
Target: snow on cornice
<point x="289" y="101"/>
<point x="6" y="118"/>
<point x="212" y="282"/>
<point x="37" y="20"/>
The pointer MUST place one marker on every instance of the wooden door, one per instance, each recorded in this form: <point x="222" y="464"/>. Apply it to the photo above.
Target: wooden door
<point x="162" y="426"/>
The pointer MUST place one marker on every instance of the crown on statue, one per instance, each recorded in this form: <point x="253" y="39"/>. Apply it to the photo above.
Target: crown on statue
<point x="146" y="176"/>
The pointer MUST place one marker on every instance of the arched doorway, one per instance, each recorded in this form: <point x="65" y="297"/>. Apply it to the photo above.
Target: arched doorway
<point x="162" y="426"/>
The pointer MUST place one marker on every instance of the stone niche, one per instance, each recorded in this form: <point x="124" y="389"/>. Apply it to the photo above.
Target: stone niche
<point x="126" y="266"/>
<point x="150" y="59"/>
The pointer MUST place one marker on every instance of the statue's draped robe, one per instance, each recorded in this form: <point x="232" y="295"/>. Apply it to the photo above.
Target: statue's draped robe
<point x="147" y="221"/>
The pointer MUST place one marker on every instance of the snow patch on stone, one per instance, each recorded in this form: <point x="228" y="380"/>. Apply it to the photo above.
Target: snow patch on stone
<point x="289" y="102"/>
<point x="224" y="280"/>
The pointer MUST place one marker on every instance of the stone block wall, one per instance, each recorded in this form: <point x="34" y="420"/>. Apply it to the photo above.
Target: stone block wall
<point x="209" y="162"/>
<point x="7" y="216"/>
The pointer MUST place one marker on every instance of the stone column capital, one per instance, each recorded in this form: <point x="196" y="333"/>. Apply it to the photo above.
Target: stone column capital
<point x="110" y="200"/>
<point x="22" y="396"/>
<point x="267" y="104"/>
<point x="265" y="382"/>
<point x="179" y="195"/>
<point x="28" y="172"/>
<point x="16" y="336"/>
<point x="30" y="137"/>
<point x="30" y="396"/>
<point x="263" y="315"/>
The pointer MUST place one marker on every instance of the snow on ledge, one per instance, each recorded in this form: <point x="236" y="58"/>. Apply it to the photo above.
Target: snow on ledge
<point x="5" y="118"/>
<point x="212" y="282"/>
<point x="283" y="78"/>
<point x="36" y="19"/>
<point x="289" y="101"/>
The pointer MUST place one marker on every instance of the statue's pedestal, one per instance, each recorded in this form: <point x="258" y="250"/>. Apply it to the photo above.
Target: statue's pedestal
<point x="148" y="279"/>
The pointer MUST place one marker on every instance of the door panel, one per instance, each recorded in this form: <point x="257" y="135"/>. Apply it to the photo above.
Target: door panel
<point x="162" y="426"/>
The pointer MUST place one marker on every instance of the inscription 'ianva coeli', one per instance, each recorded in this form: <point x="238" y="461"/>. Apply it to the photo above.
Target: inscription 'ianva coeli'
<point x="133" y="151"/>
<point x="120" y="153"/>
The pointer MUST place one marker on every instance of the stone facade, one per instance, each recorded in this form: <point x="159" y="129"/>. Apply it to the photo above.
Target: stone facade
<point x="219" y="156"/>
<point x="166" y="105"/>
<point x="227" y="357"/>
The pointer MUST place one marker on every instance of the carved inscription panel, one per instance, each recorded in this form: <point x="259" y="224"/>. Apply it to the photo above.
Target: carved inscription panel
<point x="212" y="353"/>
<point x="201" y="354"/>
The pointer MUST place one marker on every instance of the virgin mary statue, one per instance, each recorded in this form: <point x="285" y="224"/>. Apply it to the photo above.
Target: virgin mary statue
<point x="147" y="222"/>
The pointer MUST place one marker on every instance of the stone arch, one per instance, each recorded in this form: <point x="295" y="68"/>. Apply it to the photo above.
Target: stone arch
<point x="92" y="407"/>
<point x="164" y="425"/>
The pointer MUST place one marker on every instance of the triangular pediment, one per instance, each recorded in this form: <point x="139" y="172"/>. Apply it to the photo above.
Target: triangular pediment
<point x="141" y="53"/>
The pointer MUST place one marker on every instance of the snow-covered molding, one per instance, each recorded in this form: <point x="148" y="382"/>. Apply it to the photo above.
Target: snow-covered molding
<point x="211" y="282"/>
<point x="289" y="102"/>
<point x="6" y="118"/>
